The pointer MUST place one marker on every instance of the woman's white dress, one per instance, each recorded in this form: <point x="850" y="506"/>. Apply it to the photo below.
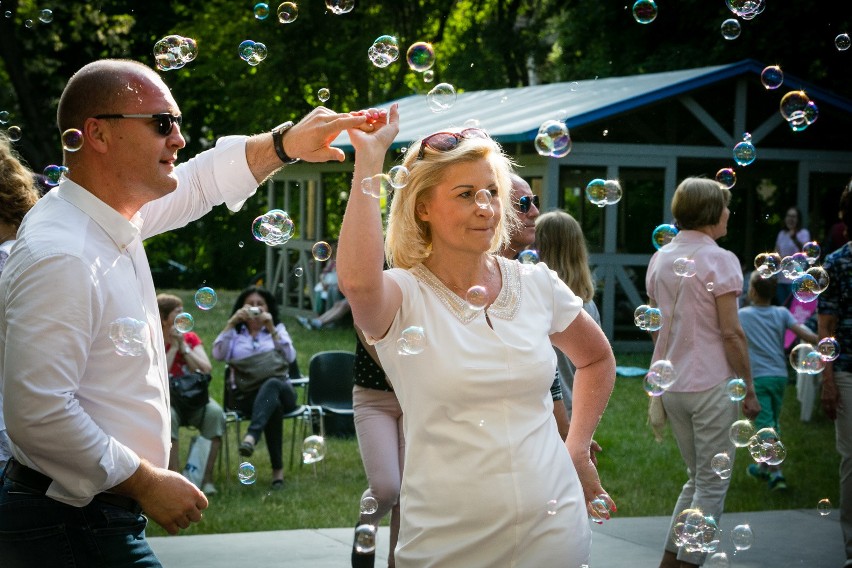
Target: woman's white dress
<point x="488" y="481"/>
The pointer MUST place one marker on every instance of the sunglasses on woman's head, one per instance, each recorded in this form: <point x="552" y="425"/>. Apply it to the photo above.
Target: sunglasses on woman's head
<point x="165" y="120"/>
<point x="446" y="141"/>
<point x="526" y="201"/>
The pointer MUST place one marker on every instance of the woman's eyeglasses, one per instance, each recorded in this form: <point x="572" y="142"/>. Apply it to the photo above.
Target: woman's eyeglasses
<point x="446" y="141"/>
<point x="165" y="120"/>
<point x="526" y="201"/>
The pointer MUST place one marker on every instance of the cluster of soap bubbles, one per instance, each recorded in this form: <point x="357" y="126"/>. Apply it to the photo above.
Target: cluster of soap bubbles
<point x="206" y="298"/>
<point x="644" y="11"/>
<point x="174" y="51"/>
<point x="696" y="532"/>
<point x="287" y="12"/>
<point x="647" y="318"/>
<point x="744" y="152"/>
<point x="252" y="52"/>
<point x="809" y="280"/>
<point x="726" y="177"/>
<point x="553" y="139"/>
<point x="412" y="341"/>
<point x="275" y="227"/>
<point x="53" y="174"/>
<point x="313" y="449"/>
<point x="130" y="336"/>
<point x="602" y="192"/>
<point x="765" y="447"/>
<point x="798" y="110"/>
<point x="684" y="267"/>
<point x="384" y="51"/>
<point x="338" y="7"/>
<point x="810" y="360"/>
<point x="721" y="465"/>
<point x="663" y="235"/>
<point x="441" y="97"/>
<point x="659" y="378"/>
<point x="378" y="185"/>
<point x="365" y="539"/>
<point x="420" y="57"/>
<point x="772" y="77"/>
<point x="246" y="473"/>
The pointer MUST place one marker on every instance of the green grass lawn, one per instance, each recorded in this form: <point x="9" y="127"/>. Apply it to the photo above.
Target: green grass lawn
<point x="643" y="476"/>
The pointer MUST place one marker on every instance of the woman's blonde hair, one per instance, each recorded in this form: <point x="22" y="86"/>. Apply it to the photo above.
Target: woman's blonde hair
<point x="562" y="247"/>
<point x="408" y="240"/>
<point x="699" y="202"/>
<point x="18" y="192"/>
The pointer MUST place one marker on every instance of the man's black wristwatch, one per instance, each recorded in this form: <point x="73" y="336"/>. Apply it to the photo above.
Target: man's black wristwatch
<point x="278" y="142"/>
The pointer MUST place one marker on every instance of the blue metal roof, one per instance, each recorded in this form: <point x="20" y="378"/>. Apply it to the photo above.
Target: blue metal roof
<point x="514" y="115"/>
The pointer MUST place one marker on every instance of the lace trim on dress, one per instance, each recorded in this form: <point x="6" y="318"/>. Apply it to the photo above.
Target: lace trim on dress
<point x="505" y="306"/>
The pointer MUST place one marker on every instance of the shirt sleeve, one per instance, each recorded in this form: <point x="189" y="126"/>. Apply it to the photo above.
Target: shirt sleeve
<point x="284" y="344"/>
<point x="222" y="344"/>
<point x="43" y="413"/>
<point x="408" y="286"/>
<point x="566" y="304"/>
<point x="726" y="274"/>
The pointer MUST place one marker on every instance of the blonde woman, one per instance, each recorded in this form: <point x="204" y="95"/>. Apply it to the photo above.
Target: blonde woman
<point x="488" y="481"/>
<point x="562" y="247"/>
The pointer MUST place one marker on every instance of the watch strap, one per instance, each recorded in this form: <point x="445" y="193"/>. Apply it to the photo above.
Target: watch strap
<point x="278" y="142"/>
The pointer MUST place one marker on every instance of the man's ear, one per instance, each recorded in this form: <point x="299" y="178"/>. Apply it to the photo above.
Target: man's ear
<point x="96" y="134"/>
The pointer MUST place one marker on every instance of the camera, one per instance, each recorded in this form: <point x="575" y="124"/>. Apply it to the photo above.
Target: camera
<point x="254" y="311"/>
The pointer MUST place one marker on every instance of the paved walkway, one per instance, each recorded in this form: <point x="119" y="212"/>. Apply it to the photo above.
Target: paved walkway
<point x="782" y="539"/>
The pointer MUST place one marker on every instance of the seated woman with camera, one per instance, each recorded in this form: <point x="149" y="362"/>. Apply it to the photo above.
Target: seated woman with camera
<point x="259" y="351"/>
<point x="185" y="354"/>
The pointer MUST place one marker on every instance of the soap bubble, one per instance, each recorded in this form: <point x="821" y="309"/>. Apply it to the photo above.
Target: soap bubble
<point x="820" y="276"/>
<point x="653" y="319"/>
<point x="13" y="133"/>
<point x="663" y="235"/>
<point x="710" y="286"/>
<point x="45" y="16"/>
<point x="206" y="298"/>
<point x="4" y="116"/>
<point x="274" y="227"/>
<point x="553" y="139"/>
<point x="72" y="140"/>
<point x="736" y="389"/>
<point x="772" y="77"/>
<point x="644" y="11"/>
<point x="321" y="251"/>
<point x="252" y="52"/>
<point x="718" y="560"/>
<point x="369" y="505"/>
<point x="53" y="174"/>
<point x="731" y="29"/>
<point x="184" y="322"/>
<point x="313" y="449"/>
<point x="804" y="358"/>
<point x="129" y="335"/>
<point x="662" y="374"/>
<point x="412" y="341"/>
<point x="742" y="537"/>
<point x="828" y="348"/>
<point x="768" y="264"/>
<point x="794" y="103"/>
<point x="365" y="539"/>
<point x="261" y="10"/>
<point x="442" y="97"/>
<point x="377" y="186"/>
<point x="684" y="267"/>
<point x="476" y="297"/>
<point x="745" y="152"/>
<point x="528" y="256"/>
<point x="288" y="12"/>
<point x="482" y="198"/>
<point x="174" y="51"/>
<point x="552" y="506"/>
<point x="338" y="7"/>
<point x="721" y="465"/>
<point x="323" y="94"/>
<point x="420" y="56"/>
<point x="741" y="432"/>
<point x="246" y="473"/>
<point x="805" y="288"/>
<point x="726" y="177"/>
<point x="428" y="76"/>
<point x="824" y="507"/>
<point x="842" y="42"/>
<point x="384" y="51"/>
<point x="811" y="250"/>
<point x="600" y="509"/>
<point x="398" y="176"/>
<point x="298" y="271"/>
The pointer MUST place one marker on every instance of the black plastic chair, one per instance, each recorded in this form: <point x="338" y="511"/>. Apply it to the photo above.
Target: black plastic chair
<point x="330" y="385"/>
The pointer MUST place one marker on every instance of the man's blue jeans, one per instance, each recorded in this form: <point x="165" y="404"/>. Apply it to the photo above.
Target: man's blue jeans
<point x="38" y="531"/>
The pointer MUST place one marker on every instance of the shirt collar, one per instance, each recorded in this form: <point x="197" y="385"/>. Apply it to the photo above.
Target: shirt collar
<point x="687" y="236"/>
<point x="120" y="230"/>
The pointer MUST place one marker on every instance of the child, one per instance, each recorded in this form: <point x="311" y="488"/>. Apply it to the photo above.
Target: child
<point x="764" y="326"/>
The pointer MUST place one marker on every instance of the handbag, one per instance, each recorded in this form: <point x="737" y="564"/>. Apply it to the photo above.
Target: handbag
<point x="251" y="372"/>
<point x="190" y="391"/>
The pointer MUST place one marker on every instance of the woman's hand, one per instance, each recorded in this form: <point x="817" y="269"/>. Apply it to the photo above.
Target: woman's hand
<point x="378" y="132"/>
<point x="598" y="502"/>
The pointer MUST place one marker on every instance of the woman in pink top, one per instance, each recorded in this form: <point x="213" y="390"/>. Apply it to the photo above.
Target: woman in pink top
<point x="695" y="283"/>
<point x="789" y="241"/>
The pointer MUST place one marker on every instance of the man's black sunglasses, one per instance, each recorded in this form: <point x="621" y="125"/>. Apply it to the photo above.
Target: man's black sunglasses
<point x="165" y="120"/>
<point x="525" y="202"/>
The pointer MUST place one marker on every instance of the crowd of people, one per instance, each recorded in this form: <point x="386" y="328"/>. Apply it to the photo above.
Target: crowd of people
<point x="466" y="359"/>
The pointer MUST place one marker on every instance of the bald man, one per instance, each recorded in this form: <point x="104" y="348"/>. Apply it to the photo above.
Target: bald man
<point x="82" y="363"/>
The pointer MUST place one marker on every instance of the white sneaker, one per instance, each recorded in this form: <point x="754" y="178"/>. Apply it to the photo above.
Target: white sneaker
<point x="208" y="489"/>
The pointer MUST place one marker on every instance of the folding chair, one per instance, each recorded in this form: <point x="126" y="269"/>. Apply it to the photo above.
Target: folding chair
<point x="330" y="385"/>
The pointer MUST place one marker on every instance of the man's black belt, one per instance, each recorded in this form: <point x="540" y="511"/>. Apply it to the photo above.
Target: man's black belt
<point x="38" y="482"/>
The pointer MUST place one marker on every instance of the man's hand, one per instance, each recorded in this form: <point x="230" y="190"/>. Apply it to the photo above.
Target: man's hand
<point x="166" y="497"/>
<point x="310" y="140"/>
